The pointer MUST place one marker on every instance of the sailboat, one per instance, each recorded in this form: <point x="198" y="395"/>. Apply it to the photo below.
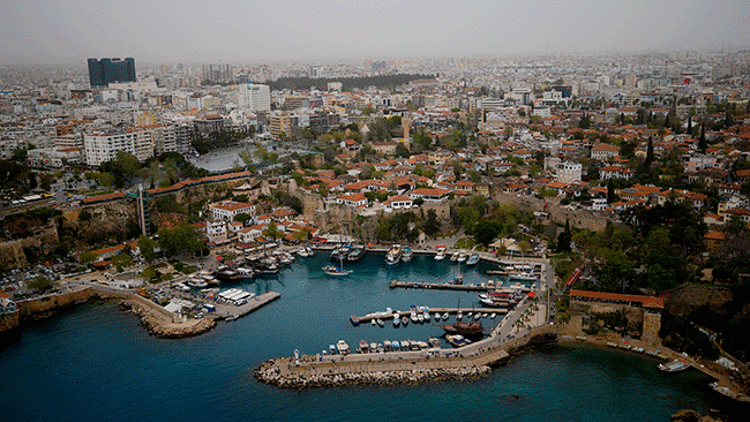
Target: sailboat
<point x="337" y="270"/>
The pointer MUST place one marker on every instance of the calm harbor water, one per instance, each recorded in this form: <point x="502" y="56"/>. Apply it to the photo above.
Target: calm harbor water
<point x="95" y="363"/>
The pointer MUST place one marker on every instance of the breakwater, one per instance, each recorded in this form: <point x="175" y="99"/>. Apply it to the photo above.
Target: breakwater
<point x="311" y="371"/>
<point x="269" y="373"/>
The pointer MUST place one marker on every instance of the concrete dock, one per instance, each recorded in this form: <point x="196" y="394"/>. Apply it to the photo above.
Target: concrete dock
<point x="438" y="286"/>
<point x="226" y="311"/>
<point x="369" y="317"/>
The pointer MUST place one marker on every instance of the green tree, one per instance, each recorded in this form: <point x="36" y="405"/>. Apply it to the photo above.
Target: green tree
<point x="88" y="257"/>
<point x="431" y="225"/>
<point x="147" y="247"/>
<point x="184" y="238"/>
<point x="41" y="284"/>
<point x="649" y="153"/>
<point x="702" y="144"/>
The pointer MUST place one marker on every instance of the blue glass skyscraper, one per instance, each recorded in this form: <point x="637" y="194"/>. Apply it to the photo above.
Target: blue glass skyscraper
<point x="105" y="71"/>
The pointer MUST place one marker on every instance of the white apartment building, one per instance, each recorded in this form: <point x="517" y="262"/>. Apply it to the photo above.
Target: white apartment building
<point x="101" y="147"/>
<point x="254" y="97"/>
<point x="227" y="210"/>
<point x="163" y="139"/>
<point x="569" y="172"/>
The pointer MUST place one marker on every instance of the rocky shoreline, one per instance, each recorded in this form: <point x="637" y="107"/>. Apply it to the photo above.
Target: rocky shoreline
<point x="157" y="327"/>
<point x="268" y="373"/>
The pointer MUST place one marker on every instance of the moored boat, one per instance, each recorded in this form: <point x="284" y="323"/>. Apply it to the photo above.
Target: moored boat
<point x="406" y="254"/>
<point x="396" y="321"/>
<point x="473" y="259"/>
<point x="404" y="321"/>
<point x="394" y="255"/>
<point x="342" y="347"/>
<point x="356" y="253"/>
<point x="457" y="340"/>
<point x="364" y="347"/>
<point x="440" y="253"/>
<point x="466" y="329"/>
<point x="380" y="322"/>
<point x="462" y="257"/>
<point x="395" y="345"/>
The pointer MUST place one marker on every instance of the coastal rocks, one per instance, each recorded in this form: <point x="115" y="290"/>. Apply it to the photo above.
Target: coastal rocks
<point x="160" y="328"/>
<point x="688" y="415"/>
<point x="269" y="372"/>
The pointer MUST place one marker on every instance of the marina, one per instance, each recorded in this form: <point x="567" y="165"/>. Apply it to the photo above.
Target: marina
<point x="366" y="319"/>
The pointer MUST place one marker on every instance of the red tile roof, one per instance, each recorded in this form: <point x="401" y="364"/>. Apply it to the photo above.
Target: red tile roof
<point x="646" y="301"/>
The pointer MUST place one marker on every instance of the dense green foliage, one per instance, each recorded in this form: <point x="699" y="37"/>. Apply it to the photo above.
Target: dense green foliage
<point x="217" y="140"/>
<point x="182" y="239"/>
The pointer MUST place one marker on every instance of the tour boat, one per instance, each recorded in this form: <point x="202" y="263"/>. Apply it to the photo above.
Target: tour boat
<point x="523" y="276"/>
<point x="342" y="347"/>
<point x="304" y="252"/>
<point x="394" y="255"/>
<point x="340" y="253"/>
<point x="440" y="253"/>
<point x="356" y="253"/>
<point x="473" y="259"/>
<point x="406" y="254"/>
<point x="335" y="271"/>
<point x="466" y="329"/>
<point x="674" y="366"/>
<point x="457" y="340"/>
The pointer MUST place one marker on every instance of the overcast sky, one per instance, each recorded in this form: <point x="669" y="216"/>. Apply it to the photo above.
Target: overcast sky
<point x="52" y="31"/>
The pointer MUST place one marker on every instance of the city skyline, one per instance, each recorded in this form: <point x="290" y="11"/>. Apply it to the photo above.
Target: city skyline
<point x="237" y="30"/>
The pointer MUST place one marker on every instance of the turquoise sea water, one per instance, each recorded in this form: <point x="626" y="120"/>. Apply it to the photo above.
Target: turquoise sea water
<point x="95" y="363"/>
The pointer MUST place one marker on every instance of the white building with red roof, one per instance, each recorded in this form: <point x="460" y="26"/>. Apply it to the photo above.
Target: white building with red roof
<point x="227" y="210"/>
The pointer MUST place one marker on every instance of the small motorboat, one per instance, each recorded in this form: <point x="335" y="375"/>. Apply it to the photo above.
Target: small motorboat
<point x="437" y="316"/>
<point x="396" y="321"/>
<point x="414" y="317"/>
<point x="379" y="322"/>
<point x="332" y="349"/>
<point x="454" y="256"/>
<point x="484" y="315"/>
<point x="440" y="253"/>
<point x="426" y="316"/>
<point x="445" y="316"/>
<point x="387" y="346"/>
<point x="473" y="259"/>
<point x="404" y="321"/>
<point x="363" y="346"/>
<point x="372" y="322"/>
<point x="373" y="347"/>
<point x="477" y="316"/>
<point x="420" y="318"/>
<point x="493" y="315"/>
<point x="395" y="345"/>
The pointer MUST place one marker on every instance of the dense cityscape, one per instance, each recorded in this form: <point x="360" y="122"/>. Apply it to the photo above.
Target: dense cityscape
<point x="589" y="200"/>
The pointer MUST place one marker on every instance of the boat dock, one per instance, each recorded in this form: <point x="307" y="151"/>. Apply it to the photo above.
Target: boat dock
<point x="227" y="311"/>
<point x="355" y="320"/>
<point x="439" y="286"/>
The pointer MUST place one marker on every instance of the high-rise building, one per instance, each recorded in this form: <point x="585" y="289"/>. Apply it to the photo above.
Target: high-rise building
<point x="254" y="97"/>
<point x="105" y="71"/>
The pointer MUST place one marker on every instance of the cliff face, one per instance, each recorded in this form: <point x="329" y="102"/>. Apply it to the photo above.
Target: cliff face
<point x="9" y="321"/>
<point x="12" y="254"/>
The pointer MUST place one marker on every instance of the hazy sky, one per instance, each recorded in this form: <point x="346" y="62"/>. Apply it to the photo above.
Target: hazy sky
<point x="51" y="31"/>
